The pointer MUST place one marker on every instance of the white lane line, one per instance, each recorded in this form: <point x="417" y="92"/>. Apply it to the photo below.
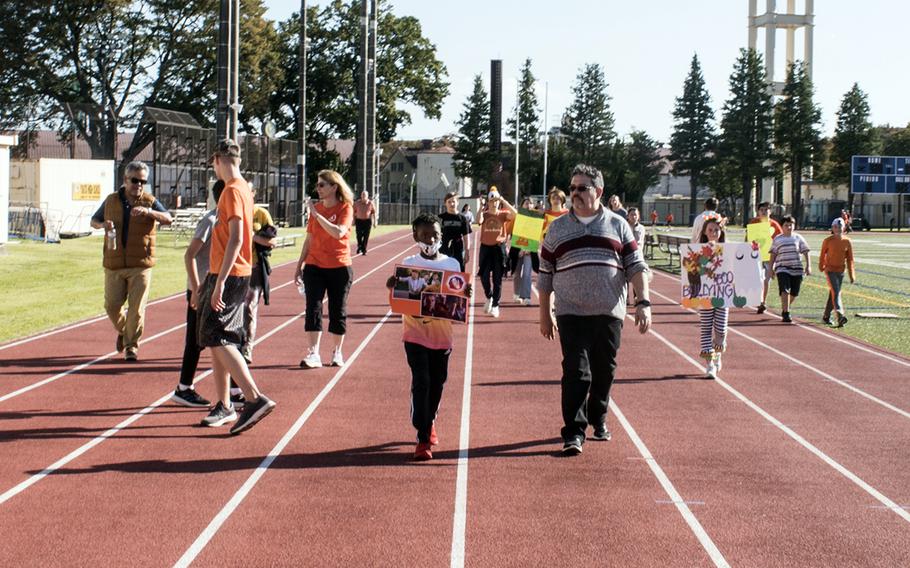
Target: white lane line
<point x="876" y="494"/>
<point x="82" y="366"/>
<point x="831" y="336"/>
<point x="107" y="434"/>
<point x="206" y="536"/>
<point x="675" y="498"/>
<point x="805" y="365"/>
<point x="459" y="517"/>
<point x="152" y="303"/>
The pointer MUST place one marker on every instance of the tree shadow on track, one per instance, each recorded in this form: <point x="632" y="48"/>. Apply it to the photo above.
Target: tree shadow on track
<point x="541" y="383"/>
<point x="638" y="381"/>
<point x="105" y="412"/>
<point x="73" y="432"/>
<point x="47" y="363"/>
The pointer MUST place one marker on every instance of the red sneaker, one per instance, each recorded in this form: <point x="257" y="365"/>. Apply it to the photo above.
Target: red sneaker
<point x="423" y="453"/>
<point x="434" y="439"/>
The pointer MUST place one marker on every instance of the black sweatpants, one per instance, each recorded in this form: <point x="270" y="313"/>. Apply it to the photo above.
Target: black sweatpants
<point x="363" y="226"/>
<point x="429" y="371"/>
<point x="334" y="282"/>
<point x="491" y="267"/>
<point x="589" y="347"/>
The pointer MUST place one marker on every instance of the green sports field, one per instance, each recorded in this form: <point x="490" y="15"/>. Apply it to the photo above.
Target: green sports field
<point x="882" y="286"/>
<point x="44" y="286"/>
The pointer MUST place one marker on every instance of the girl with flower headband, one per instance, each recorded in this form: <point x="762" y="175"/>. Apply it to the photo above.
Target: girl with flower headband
<point x="713" y="321"/>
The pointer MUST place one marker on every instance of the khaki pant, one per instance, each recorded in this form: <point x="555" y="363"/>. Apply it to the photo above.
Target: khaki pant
<point x="130" y="286"/>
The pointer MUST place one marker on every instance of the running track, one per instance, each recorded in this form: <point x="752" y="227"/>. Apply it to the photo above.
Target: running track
<point x="796" y="456"/>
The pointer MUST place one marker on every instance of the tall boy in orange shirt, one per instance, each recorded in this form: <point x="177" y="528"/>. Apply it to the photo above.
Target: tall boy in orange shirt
<point x="836" y="254"/>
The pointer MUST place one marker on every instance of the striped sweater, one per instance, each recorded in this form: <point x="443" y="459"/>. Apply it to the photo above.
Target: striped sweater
<point x="588" y="266"/>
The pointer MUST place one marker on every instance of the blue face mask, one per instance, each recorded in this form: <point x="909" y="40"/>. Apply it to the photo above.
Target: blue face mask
<point x="431" y="249"/>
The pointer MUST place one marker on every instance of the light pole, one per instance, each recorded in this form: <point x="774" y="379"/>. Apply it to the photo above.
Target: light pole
<point x="301" y="117"/>
<point x="546" y="139"/>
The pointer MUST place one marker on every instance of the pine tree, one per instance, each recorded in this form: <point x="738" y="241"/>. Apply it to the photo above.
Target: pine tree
<point x="529" y="126"/>
<point x="472" y="150"/>
<point x="642" y="165"/>
<point x="747" y="124"/>
<point x="588" y="122"/>
<point x="853" y="136"/>
<point x="693" y="137"/>
<point x="797" y="136"/>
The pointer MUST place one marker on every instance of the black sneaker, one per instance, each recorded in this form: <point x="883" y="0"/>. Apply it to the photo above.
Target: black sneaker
<point x="761" y="308"/>
<point x="189" y="397"/>
<point x="841" y="320"/>
<point x="601" y="433"/>
<point x="219" y="416"/>
<point x="572" y="447"/>
<point x="253" y="412"/>
<point x="238" y="399"/>
<point x="826" y="320"/>
<point x="785" y="317"/>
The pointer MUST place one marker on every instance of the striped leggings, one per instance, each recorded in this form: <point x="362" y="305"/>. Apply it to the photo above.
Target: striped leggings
<point x="713" y="330"/>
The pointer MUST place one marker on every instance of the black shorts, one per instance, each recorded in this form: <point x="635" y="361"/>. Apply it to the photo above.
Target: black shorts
<point x="218" y="329"/>
<point x="788" y="283"/>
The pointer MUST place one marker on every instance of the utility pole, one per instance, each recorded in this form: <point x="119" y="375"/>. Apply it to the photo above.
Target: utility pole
<point x="222" y="125"/>
<point x="361" y="146"/>
<point x="546" y="141"/>
<point x="517" y="137"/>
<point x="235" y="68"/>
<point x="371" y="160"/>
<point x="301" y="118"/>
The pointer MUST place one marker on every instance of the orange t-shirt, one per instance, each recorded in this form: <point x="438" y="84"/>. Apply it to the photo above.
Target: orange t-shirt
<point x="325" y="250"/>
<point x="236" y="202"/>
<point x="494" y="229"/>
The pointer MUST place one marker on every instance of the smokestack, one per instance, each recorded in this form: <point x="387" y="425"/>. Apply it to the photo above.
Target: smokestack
<point x="496" y="108"/>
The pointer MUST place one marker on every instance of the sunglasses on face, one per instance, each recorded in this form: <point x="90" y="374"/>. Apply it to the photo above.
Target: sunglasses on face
<point x="139" y="181"/>
<point x="324" y="184"/>
<point x="580" y="187"/>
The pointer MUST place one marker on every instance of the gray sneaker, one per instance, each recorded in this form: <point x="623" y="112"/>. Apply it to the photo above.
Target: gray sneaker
<point x="253" y="412"/>
<point x="572" y="447"/>
<point x="219" y="416"/>
<point x="601" y="433"/>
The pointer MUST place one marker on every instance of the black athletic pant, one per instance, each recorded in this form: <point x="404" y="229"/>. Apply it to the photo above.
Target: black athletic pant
<point x="429" y="370"/>
<point x="363" y="226"/>
<point x="589" y="346"/>
<point x="491" y="267"/>
<point x="334" y="282"/>
<point x="191" y="349"/>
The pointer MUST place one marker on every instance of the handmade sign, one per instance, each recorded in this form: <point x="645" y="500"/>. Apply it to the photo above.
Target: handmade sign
<point x="725" y="275"/>
<point x="430" y="293"/>
<point x="761" y="233"/>
<point x="526" y="230"/>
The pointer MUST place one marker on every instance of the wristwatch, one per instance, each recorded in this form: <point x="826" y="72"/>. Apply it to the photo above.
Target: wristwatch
<point x="645" y="303"/>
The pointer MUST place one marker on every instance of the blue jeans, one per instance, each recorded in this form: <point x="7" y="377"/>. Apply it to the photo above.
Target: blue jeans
<point x="521" y="278"/>
<point x="835" y="283"/>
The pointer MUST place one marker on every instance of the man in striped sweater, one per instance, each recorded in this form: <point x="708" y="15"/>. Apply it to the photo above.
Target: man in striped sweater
<point x="587" y="258"/>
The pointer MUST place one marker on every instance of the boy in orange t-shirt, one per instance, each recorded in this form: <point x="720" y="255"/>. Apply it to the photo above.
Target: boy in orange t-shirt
<point x="222" y="302"/>
<point x="836" y="255"/>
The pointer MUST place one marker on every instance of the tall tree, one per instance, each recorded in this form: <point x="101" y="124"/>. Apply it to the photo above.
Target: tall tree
<point x="642" y="165"/>
<point x="529" y="129"/>
<point x="473" y="158"/>
<point x="853" y="136"/>
<point x="693" y="136"/>
<point x="746" y="128"/>
<point x="894" y="141"/>
<point x="588" y="123"/>
<point x="723" y="179"/>
<point x="797" y="135"/>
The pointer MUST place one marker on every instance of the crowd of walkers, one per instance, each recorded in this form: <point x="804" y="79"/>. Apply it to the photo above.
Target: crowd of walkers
<point x="589" y="265"/>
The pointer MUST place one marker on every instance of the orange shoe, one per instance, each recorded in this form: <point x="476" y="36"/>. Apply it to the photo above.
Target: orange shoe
<point x="434" y="439"/>
<point x="423" y="453"/>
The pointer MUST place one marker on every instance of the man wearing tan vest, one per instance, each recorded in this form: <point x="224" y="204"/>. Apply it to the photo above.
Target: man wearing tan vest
<point x="129" y="254"/>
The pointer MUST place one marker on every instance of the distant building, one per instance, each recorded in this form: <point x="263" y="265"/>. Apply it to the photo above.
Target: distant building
<point x="427" y="172"/>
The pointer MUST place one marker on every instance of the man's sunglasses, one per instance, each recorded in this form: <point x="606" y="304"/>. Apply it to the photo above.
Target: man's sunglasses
<point x="139" y="181"/>
<point x="580" y="187"/>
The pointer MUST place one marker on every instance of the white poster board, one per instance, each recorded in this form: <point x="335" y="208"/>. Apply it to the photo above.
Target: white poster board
<point x="725" y="275"/>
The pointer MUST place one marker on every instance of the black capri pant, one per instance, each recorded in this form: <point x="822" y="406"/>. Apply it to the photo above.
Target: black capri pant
<point x="336" y="282"/>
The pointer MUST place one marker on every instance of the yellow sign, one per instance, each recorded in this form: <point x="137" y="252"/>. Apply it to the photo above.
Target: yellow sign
<point x="761" y="233"/>
<point x="86" y="191"/>
<point x="527" y="229"/>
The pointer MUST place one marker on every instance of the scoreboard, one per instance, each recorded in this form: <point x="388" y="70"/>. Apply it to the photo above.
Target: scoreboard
<point x="880" y="174"/>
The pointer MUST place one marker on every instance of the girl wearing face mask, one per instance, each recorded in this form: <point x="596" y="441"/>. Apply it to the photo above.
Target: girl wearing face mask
<point x="324" y="266"/>
<point x="427" y="341"/>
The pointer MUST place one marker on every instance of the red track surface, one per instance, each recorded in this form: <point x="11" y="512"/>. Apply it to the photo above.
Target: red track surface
<point x="777" y="464"/>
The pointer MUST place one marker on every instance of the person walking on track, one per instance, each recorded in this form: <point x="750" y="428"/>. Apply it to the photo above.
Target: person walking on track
<point x="364" y="220"/>
<point x="836" y="256"/>
<point x="324" y="266"/>
<point x="456" y="230"/>
<point x="764" y="215"/>
<point x="493" y="237"/>
<point x="586" y="259"/>
<point x="786" y="249"/>
<point x="713" y="321"/>
<point x="427" y="341"/>
<point x="130" y="217"/>
<point x="222" y="302"/>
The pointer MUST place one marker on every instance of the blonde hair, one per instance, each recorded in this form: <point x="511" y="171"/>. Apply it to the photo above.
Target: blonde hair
<point x="343" y="193"/>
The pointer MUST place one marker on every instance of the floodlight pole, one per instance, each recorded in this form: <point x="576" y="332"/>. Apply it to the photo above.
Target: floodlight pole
<point x="517" y="137"/>
<point x="224" y="70"/>
<point x="235" y="67"/>
<point x="546" y="140"/>
<point x="301" y="116"/>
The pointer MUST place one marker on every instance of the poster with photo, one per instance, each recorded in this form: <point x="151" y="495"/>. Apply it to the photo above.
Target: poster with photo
<point x="726" y="275"/>
<point x="430" y="293"/>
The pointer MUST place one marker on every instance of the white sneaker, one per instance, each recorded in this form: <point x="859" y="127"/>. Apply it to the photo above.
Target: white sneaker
<point x="516" y="298"/>
<point x="711" y="369"/>
<point x="494" y="311"/>
<point x="488" y="306"/>
<point x="312" y="360"/>
<point x="718" y="363"/>
<point x="337" y="358"/>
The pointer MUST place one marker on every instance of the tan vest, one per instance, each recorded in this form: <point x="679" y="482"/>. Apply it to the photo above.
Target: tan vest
<point x="139" y="251"/>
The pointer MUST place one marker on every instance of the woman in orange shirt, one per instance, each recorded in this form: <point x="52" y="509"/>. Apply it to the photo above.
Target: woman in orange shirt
<point x="324" y="265"/>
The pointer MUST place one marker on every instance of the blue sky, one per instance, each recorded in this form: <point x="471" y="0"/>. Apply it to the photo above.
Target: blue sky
<point x="645" y="48"/>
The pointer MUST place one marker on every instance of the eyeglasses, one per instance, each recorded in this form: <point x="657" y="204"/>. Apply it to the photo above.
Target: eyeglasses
<point x="139" y="181"/>
<point x="324" y="184"/>
<point x="580" y="187"/>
